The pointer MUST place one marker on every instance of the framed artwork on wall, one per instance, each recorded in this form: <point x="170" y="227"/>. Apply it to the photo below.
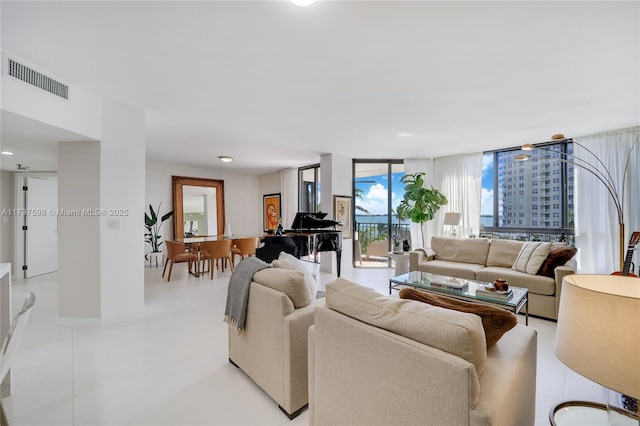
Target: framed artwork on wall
<point x="271" y="211"/>
<point x="342" y="213"/>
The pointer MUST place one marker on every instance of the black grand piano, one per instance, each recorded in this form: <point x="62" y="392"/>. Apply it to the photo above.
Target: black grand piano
<point x="306" y="237"/>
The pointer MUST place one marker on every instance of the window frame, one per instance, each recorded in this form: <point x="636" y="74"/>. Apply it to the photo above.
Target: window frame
<point x="565" y="182"/>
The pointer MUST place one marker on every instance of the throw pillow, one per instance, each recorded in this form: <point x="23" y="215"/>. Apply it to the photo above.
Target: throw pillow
<point x="559" y="254"/>
<point x="287" y="261"/>
<point x="495" y="321"/>
<point x="531" y="256"/>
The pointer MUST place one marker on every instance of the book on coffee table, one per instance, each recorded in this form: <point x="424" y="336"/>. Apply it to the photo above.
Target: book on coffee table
<point x="490" y="291"/>
<point x="449" y="282"/>
<point x="461" y="289"/>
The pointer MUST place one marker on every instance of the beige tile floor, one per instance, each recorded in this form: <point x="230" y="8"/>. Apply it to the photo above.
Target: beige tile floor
<point x="168" y="364"/>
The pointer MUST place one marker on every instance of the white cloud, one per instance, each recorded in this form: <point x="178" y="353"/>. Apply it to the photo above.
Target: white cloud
<point x="377" y="192"/>
<point x="487" y="164"/>
<point x="375" y="200"/>
<point x="486" y="205"/>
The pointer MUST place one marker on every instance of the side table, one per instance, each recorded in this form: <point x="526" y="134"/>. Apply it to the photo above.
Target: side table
<point x="402" y="262"/>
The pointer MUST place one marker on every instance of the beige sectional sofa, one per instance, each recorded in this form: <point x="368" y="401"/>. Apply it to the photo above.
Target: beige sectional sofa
<point x="485" y="260"/>
<point x="380" y="360"/>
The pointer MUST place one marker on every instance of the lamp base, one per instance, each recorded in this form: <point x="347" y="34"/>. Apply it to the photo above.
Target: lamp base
<point x="572" y="413"/>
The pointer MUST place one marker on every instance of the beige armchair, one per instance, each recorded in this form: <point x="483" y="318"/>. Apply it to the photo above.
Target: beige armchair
<point x="379" y="360"/>
<point x="272" y="350"/>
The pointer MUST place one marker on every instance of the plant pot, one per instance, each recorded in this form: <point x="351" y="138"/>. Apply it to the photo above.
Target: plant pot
<point x="153" y="257"/>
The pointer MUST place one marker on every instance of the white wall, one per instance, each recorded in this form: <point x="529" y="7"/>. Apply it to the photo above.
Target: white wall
<point x="270" y="183"/>
<point x="243" y="200"/>
<point x="79" y="236"/>
<point x="122" y="189"/>
<point x="336" y="180"/>
<point x="81" y="113"/>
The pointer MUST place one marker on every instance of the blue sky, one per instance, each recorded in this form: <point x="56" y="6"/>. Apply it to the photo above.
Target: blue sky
<point x="374" y="194"/>
<point x="486" y="206"/>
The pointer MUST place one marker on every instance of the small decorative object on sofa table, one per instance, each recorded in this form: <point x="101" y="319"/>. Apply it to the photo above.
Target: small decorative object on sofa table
<point x="397" y="243"/>
<point x="597" y="336"/>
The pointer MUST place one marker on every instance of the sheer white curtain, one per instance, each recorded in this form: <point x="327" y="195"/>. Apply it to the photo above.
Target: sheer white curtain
<point x="596" y="219"/>
<point x="411" y="166"/>
<point x="459" y="178"/>
<point x="289" y="200"/>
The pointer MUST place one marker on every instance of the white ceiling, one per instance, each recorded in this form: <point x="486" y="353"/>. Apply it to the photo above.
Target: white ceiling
<point x="275" y="85"/>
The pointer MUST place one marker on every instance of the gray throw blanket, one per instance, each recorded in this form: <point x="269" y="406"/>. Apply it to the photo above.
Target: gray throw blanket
<point x="235" y="312"/>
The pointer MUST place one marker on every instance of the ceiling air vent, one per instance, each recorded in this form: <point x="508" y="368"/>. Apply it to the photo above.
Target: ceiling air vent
<point x="35" y="78"/>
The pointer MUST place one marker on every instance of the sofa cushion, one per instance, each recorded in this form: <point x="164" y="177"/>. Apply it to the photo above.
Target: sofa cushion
<point x="537" y="284"/>
<point x="291" y="283"/>
<point x="465" y="250"/>
<point x="287" y="261"/>
<point x="495" y="321"/>
<point x="452" y="269"/>
<point x="531" y="256"/>
<point x="559" y="254"/>
<point x="457" y="333"/>
<point x="503" y="252"/>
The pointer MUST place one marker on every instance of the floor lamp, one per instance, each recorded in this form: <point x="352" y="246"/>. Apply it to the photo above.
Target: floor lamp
<point x="597" y="169"/>
<point x="598" y="337"/>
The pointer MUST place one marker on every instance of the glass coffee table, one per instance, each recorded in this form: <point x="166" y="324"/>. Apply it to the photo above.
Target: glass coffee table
<point x="463" y="289"/>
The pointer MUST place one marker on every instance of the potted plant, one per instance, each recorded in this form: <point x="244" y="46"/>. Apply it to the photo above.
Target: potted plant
<point x="419" y="204"/>
<point x="152" y="236"/>
<point x="397" y="243"/>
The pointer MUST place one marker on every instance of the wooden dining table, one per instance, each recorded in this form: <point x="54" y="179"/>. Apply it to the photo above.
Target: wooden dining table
<point x="195" y="243"/>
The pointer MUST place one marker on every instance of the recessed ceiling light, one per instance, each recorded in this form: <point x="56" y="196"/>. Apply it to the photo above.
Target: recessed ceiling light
<point x="405" y="134"/>
<point x="7" y="153"/>
<point x="225" y="158"/>
<point x="303" y="3"/>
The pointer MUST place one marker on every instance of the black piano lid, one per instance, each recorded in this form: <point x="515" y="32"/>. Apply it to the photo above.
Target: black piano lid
<point x="301" y="219"/>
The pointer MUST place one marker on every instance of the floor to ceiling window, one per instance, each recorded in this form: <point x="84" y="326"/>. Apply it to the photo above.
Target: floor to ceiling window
<point x="377" y="191"/>
<point x="528" y="195"/>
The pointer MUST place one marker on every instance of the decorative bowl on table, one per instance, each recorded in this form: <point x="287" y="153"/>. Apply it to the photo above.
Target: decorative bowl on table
<point x="500" y="285"/>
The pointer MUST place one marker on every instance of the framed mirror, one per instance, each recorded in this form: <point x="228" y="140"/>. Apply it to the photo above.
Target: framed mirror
<point x="198" y="206"/>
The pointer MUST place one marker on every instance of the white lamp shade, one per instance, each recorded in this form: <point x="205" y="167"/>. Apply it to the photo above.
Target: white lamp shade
<point x="598" y="332"/>
<point x="452" y="218"/>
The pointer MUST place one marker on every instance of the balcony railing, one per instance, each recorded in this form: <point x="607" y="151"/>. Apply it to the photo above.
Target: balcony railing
<point x="371" y="231"/>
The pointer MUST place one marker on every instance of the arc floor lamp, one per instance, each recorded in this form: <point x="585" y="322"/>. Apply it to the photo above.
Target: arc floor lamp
<point x="596" y="168"/>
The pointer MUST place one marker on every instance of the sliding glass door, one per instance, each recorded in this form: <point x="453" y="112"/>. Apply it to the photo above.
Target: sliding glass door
<point x="377" y="191"/>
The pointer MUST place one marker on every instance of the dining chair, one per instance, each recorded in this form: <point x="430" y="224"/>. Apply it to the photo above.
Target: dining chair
<point x="244" y="247"/>
<point x="214" y="250"/>
<point x="12" y="341"/>
<point x="177" y="252"/>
